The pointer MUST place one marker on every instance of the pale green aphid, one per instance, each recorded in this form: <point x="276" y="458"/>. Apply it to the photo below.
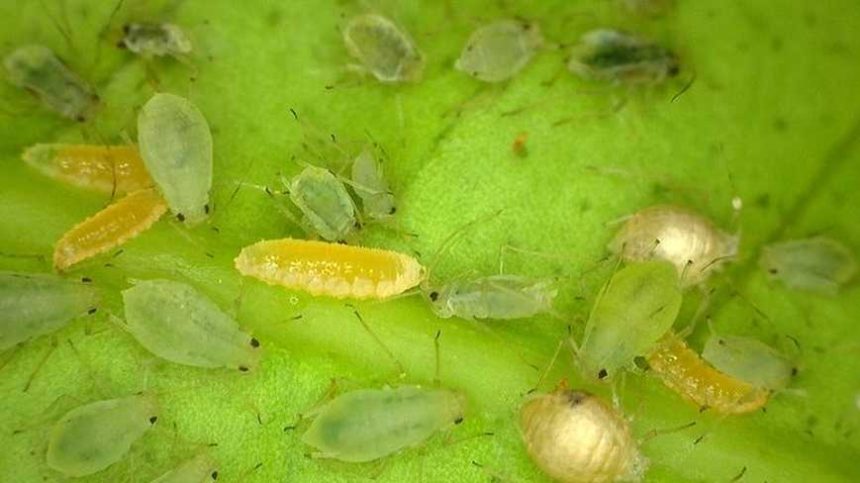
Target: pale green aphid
<point x="819" y="264"/>
<point x="634" y="309"/>
<point x="369" y="183"/>
<point x="37" y="69"/>
<point x="499" y="50"/>
<point x="324" y="201"/>
<point x="610" y="55"/>
<point x="177" y="323"/>
<point x="199" y="469"/>
<point x="369" y="424"/>
<point x="36" y="304"/>
<point x="749" y="360"/>
<point x="94" y="436"/>
<point x="494" y="297"/>
<point x="155" y="39"/>
<point x="383" y="49"/>
<point x="176" y="147"/>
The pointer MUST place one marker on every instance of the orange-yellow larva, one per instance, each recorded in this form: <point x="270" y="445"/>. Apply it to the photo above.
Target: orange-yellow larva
<point x="330" y="269"/>
<point x="574" y="437"/>
<point x="110" y="169"/>
<point x="682" y="370"/>
<point x="122" y="220"/>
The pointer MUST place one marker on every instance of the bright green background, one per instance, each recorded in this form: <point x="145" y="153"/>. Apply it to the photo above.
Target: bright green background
<point x="772" y="117"/>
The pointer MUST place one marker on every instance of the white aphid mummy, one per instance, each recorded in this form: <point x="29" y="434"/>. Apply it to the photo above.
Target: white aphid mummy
<point x="574" y="437"/>
<point x="383" y="49"/>
<point x="155" y="39"/>
<point x="821" y="265"/>
<point x="177" y="323"/>
<point x="176" y="146"/>
<point x="497" y="51"/>
<point x="749" y="360"/>
<point x="199" y="469"/>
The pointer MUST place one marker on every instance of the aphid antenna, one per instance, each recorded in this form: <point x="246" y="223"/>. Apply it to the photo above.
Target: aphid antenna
<point x="451" y="240"/>
<point x="248" y="472"/>
<point x="436" y="378"/>
<point x="687" y="85"/>
<point x="61" y="23"/>
<point x="548" y="367"/>
<point x="507" y="247"/>
<point x="394" y="360"/>
<point x="41" y="364"/>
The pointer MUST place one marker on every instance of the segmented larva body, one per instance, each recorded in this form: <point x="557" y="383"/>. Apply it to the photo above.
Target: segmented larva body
<point x="330" y="269"/>
<point x="109" y="169"/>
<point x="119" y="222"/>
<point x="682" y="370"/>
<point x="574" y="437"/>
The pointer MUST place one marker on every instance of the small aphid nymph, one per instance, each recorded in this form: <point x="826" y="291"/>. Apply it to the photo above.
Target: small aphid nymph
<point x="177" y="323"/>
<point x="37" y="69"/>
<point x="574" y="437"/>
<point x="610" y="55"/>
<point x="368" y="424"/>
<point x="109" y="169"/>
<point x="383" y="49"/>
<point x="749" y="360"/>
<point x="372" y="188"/>
<point x="176" y="147"/>
<point x="820" y="265"/>
<point x="94" y="436"/>
<point x="155" y="39"/>
<point x="199" y="469"/>
<point x="324" y="202"/>
<point x="498" y="51"/>
<point x="493" y="297"/>
<point x="686" y="239"/>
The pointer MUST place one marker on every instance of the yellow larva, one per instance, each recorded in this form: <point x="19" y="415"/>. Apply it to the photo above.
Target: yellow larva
<point x="682" y="370"/>
<point x="113" y="226"/>
<point x="330" y="269"/>
<point x="574" y="437"/>
<point x="110" y="169"/>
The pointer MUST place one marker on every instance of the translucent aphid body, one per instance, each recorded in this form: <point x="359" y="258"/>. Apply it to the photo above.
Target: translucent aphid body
<point x="37" y="69"/>
<point x="155" y="39"/>
<point x="683" y="371"/>
<point x="493" y="297"/>
<point x="92" y="437"/>
<point x="383" y="49"/>
<point x="574" y="437"/>
<point x="498" y="51"/>
<point x="324" y="202"/>
<point x="369" y="424"/>
<point x="199" y="469"/>
<point x="119" y="222"/>
<point x="377" y="200"/>
<point x="749" y="360"/>
<point x="36" y="304"/>
<point x="176" y="147"/>
<point x="330" y="269"/>
<point x="819" y="264"/>
<point x="609" y="55"/>
<point x="633" y="311"/>
<point x="684" y="238"/>
<point x="109" y="169"/>
<point x="177" y="323"/>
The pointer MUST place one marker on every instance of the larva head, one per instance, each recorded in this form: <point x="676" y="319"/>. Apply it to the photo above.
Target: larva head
<point x="575" y="437"/>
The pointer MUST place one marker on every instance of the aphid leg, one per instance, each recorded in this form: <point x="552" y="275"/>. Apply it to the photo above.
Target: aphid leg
<point x="436" y="380"/>
<point x="653" y="433"/>
<point x="549" y="366"/>
<point x="61" y="23"/>
<point x="40" y="364"/>
<point x="492" y="474"/>
<point x="399" y="367"/>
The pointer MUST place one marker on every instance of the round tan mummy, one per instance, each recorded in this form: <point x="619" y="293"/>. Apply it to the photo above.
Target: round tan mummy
<point x="574" y="437"/>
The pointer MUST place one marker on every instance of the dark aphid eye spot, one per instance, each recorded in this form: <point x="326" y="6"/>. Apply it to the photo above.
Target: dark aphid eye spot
<point x="80" y="118"/>
<point x="601" y="374"/>
<point x="126" y="28"/>
<point x="243" y="368"/>
<point x="180" y="217"/>
<point x="793" y="371"/>
<point x="153" y="419"/>
<point x="120" y="44"/>
<point x="255" y="342"/>
<point x="214" y="475"/>
<point x="721" y="341"/>
<point x="458" y="420"/>
<point x="206" y="208"/>
<point x="674" y="70"/>
<point x="434" y="296"/>
<point x="392" y="210"/>
<point x="86" y="280"/>
<point x="92" y="310"/>
<point x="773" y="271"/>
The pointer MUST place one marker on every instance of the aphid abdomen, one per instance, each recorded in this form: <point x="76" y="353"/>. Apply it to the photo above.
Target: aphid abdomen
<point x="177" y="323"/>
<point x="199" y="469"/>
<point x="109" y="169"/>
<point x="498" y="51"/>
<point x="92" y="437"/>
<point x="500" y="297"/>
<point x="368" y="424"/>
<point x="749" y="360"/>
<point x="383" y="49"/>
<point x="36" y="304"/>
<point x="683" y="371"/>
<point x="152" y="39"/>
<point x="370" y="185"/>
<point x="574" y="437"/>
<point x="330" y="269"/>
<point x="324" y="201"/>
<point x="819" y="264"/>
<point x="176" y="147"/>
<point x="119" y="222"/>
<point x="37" y="69"/>
<point x="609" y="55"/>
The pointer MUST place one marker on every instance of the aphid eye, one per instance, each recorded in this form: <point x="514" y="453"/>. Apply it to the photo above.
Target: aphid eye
<point x="254" y="342"/>
<point x="674" y="70"/>
<point x="92" y="311"/>
<point x="180" y="217"/>
<point x="393" y="210"/>
<point x="86" y="280"/>
<point x="602" y="374"/>
<point x="214" y="475"/>
<point x="793" y="371"/>
<point x="243" y="368"/>
<point x="126" y="28"/>
<point x="773" y="271"/>
<point x="458" y="420"/>
<point x="206" y="208"/>
<point x="153" y="419"/>
<point x="80" y="118"/>
<point x="434" y="296"/>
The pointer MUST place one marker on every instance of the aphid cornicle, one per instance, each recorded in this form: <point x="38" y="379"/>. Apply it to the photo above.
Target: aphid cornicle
<point x="686" y="239"/>
<point x="324" y="203"/>
<point x="574" y="437"/>
<point x="119" y="222"/>
<point x="632" y="312"/>
<point x="498" y="51"/>
<point x="155" y="39"/>
<point x="493" y="297"/>
<point x="683" y="371"/>
<point x="749" y="360"/>
<point x="330" y="269"/>
<point x="369" y="183"/>
<point x="610" y="55"/>
<point x="820" y="264"/>
<point x="34" y="304"/>
<point x="199" y="469"/>
<point x="109" y="169"/>
<point x="37" y="69"/>
<point x="383" y="49"/>
<point x="179" y="324"/>
<point x="94" y="436"/>
<point x="369" y="424"/>
<point x="176" y="147"/>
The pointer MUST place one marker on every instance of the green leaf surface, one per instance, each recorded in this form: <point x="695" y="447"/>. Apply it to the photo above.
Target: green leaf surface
<point x="772" y="115"/>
